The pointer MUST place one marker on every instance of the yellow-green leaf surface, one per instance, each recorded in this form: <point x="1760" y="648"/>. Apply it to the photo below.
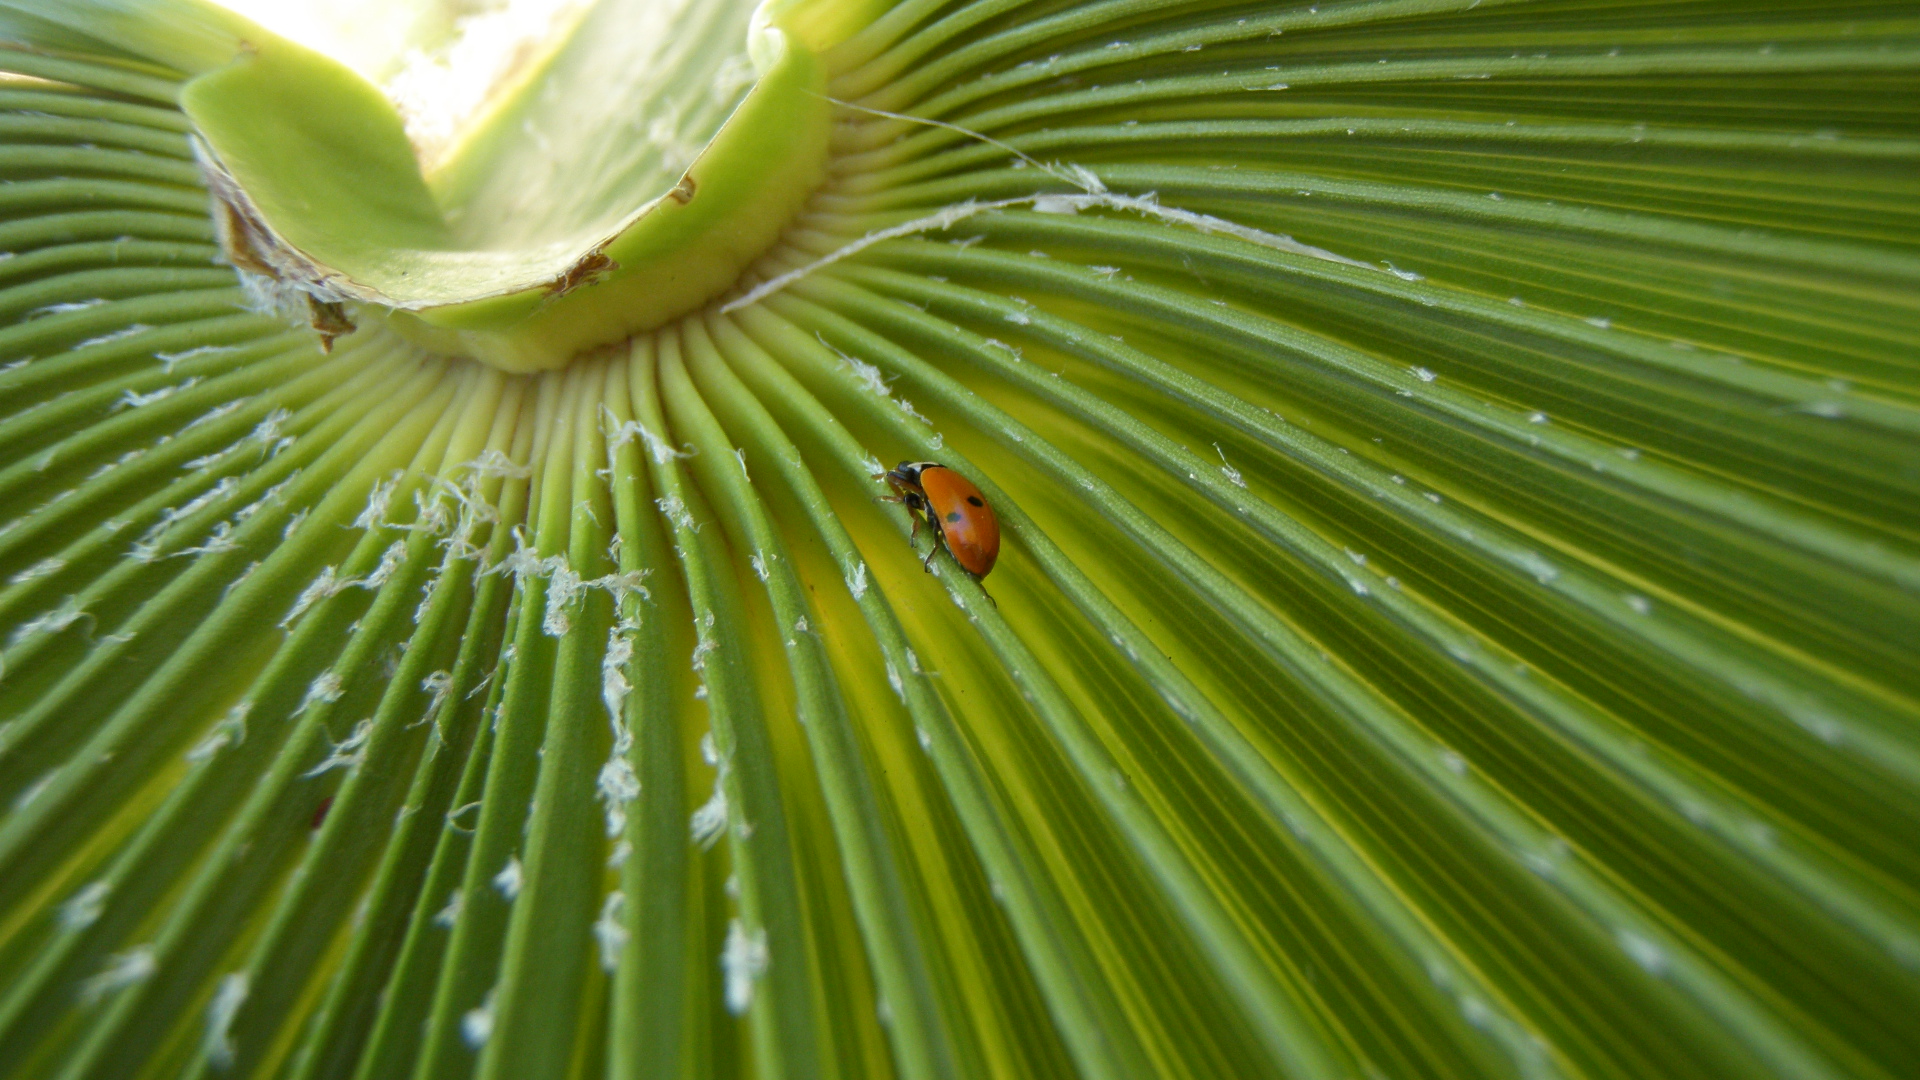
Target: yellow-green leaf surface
<point x="1459" y="465"/>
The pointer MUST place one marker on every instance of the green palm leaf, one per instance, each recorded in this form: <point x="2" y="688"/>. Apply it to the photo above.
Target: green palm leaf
<point x="1460" y="470"/>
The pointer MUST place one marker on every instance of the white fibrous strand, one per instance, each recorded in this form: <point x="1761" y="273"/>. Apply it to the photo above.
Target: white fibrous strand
<point x="347" y="754"/>
<point x="132" y="399"/>
<point x="610" y="930"/>
<point x="267" y="433"/>
<point x="563" y="585"/>
<point x="1144" y="205"/>
<point x="496" y="463"/>
<point x="326" y="688"/>
<point x="378" y="500"/>
<point x="122" y="970"/>
<point x="439" y="684"/>
<point x="147" y="548"/>
<point x="51" y="622"/>
<point x="710" y="820"/>
<point x="230" y="730"/>
<point x="621" y="432"/>
<point x="111" y="336"/>
<point x="476" y="1025"/>
<point x="704" y="644"/>
<point x="65" y="308"/>
<point x="226" y="1003"/>
<point x="323" y="585"/>
<point x="167" y="360"/>
<point x="743" y="961"/>
<point x="617" y="783"/>
<point x="508" y="880"/>
<point x="1226" y="469"/>
<point x="44" y="568"/>
<point x="450" y="914"/>
<point x="84" y="907"/>
<point x="433" y="512"/>
<point x="213" y="414"/>
<point x="219" y="538"/>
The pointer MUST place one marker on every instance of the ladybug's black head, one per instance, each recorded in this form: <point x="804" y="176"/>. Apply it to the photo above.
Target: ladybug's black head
<point x="908" y="472"/>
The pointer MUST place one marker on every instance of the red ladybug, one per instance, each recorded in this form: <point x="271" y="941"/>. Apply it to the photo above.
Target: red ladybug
<point x="959" y="514"/>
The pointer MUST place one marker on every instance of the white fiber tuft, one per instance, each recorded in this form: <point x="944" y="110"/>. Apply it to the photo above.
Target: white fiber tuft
<point x="618" y="786"/>
<point x="326" y="688"/>
<point x="476" y="1025"/>
<point x="447" y="916"/>
<point x="743" y="961"/>
<point x="1226" y="469"/>
<point x="122" y="970"/>
<point x="508" y="880"/>
<point x="220" y="1013"/>
<point x="84" y="907"/>
<point x="347" y="754"/>
<point x="611" y="930"/>
<point x="495" y="463"/>
<point x="378" y="500"/>
<point x="51" y="622"/>
<point x="710" y="820"/>
<point x="231" y="730"/>
<point x="44" y="568"/>
<point x="321" y="587"/>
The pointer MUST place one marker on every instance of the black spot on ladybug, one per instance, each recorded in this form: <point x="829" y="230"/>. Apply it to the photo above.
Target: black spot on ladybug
<point x="955" y="516"/>
<point x="975" y="500"/>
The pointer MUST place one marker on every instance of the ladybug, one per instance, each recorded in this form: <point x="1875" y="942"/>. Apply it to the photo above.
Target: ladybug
<point x="959" y="514"/>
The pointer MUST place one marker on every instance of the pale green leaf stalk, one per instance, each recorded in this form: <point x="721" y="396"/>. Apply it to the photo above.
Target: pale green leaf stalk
<point x="1458" y="465"/>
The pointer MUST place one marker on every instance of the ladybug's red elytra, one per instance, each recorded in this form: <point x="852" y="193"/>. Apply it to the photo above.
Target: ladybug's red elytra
<point x="959" y="514"/>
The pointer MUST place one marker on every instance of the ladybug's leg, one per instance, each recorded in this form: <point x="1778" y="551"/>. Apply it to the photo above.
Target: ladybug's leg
<point x="939" y="541"/>
<point x="917" y="509"/>
<point x="899" y="493"/>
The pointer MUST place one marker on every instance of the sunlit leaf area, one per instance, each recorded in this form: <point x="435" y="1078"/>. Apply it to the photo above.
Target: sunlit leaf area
<point x="1458" y="613"/>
